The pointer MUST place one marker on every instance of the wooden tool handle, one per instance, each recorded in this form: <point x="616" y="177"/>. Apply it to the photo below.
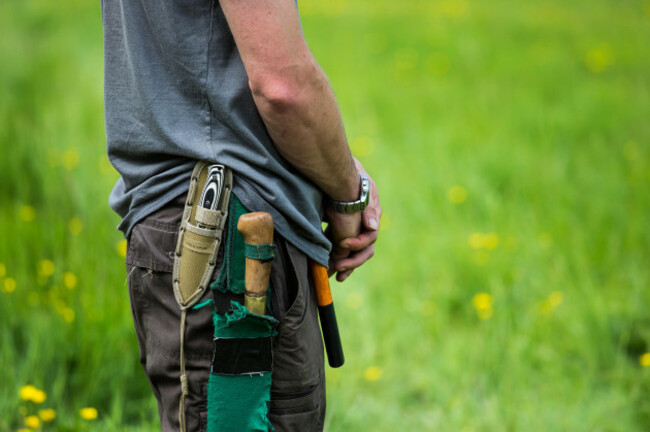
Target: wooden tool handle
<point x="257" y="229"/>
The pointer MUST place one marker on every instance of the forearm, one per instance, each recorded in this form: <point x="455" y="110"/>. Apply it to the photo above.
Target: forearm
<point x="298" y="107"/>
<point x="302" y="117"/>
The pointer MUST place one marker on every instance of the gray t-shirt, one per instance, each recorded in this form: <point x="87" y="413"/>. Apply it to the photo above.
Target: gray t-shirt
<point x="175" y="92"/>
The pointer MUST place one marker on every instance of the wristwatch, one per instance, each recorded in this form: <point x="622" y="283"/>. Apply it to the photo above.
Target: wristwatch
<point x="353" y="206"/>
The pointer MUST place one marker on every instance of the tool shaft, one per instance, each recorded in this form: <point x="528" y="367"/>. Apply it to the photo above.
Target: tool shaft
<point x="328" y="323"/>
<point x="257" y="229"/>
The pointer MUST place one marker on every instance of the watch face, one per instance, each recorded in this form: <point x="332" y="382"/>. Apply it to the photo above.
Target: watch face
<point x="365" y="191"/>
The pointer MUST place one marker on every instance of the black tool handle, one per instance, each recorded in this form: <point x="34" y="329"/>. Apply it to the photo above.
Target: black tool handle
<point x="331" y="336"/>
<point x="328" y="324"/>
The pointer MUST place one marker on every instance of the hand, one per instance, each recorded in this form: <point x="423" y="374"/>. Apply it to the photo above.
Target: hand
<point x="354" y="236"/>
<point x="340" y="227"/>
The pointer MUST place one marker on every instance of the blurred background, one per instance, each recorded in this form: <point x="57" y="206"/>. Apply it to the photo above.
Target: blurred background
<point x="510" y="287"/>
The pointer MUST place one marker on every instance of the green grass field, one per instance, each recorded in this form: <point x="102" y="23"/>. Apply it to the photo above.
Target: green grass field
<point x="510" y="290"/>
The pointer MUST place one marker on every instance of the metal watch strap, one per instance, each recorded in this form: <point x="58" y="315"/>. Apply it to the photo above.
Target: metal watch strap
<point x="353" y="206"/>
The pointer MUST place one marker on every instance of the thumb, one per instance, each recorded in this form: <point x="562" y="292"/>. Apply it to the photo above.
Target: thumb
<point x="370" y="219"/>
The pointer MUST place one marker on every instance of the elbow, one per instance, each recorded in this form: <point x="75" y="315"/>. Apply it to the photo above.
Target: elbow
<point x="275" y="95"/>
<point x="284" y="91"/>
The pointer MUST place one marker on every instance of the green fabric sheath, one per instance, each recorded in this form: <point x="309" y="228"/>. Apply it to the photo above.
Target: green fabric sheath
<point x="237" y="403"/>
<point x="232" y="275"/>
<point x="240" y="323"/>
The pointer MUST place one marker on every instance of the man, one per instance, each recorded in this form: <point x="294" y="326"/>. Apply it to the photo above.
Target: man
<point x="229" y="82"/>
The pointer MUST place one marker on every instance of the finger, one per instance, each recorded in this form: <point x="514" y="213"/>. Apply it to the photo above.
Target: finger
<point x="331" y="268"/>
<point x="355" y="260"/>
<point x="335" y="262"/>
<point x="341" y="276"/>
<point x="371" y="216"/>
<point x="336" y="256"/>
<point x="370" y="219"/>
<point x="359" y="242"/>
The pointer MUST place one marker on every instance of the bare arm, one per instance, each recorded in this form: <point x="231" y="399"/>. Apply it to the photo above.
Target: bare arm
<point x="299" y="110"/>
<point x="293" y="94"/>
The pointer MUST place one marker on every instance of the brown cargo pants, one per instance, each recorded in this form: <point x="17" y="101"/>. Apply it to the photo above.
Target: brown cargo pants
<point x="298" y="387"/>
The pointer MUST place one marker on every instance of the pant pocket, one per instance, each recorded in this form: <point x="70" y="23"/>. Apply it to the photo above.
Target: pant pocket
<point x="298" y="411"/>
<point x="298" y="349"/>
<point x="295" y="402"/>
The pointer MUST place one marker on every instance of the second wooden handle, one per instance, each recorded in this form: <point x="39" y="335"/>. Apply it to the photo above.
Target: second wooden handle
<point x="257" y="229"/>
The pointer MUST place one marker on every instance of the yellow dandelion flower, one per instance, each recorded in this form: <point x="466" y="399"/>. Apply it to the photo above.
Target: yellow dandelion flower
<point x="552" y="302"/>
<point x="556" y="298"/>
<point x="490" y="241"/>
<point x="69" y="280"/>
<point x="9" y="285"/>
<point x="373" y="373"/>
<point x="475" y="240"/>
<point x="46" y="268"/>
<point x="353" y="301"/>
<point x="75" y="226"/>
<point x="362" y="146"/>
<point x="88" y="413"/>
<point x="68" y="315"/>
<point x="457" y="194"/>
<point x="644" y="359"/>
<point x="70" y="159"/>
<point x="27" y="392"/>
<point x="482" y="301"/>
<point x="39" y="397"/>
<point x="483" y="305"/>
<point x="47" y="415"/>
<point x="121" y="248"/>
<point x="32" y="422"/>
<point x="3" y="270"/>
<point x="27" y="213"/>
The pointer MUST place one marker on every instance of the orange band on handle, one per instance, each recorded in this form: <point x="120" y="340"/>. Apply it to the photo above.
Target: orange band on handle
<point x="321" y="284"/>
